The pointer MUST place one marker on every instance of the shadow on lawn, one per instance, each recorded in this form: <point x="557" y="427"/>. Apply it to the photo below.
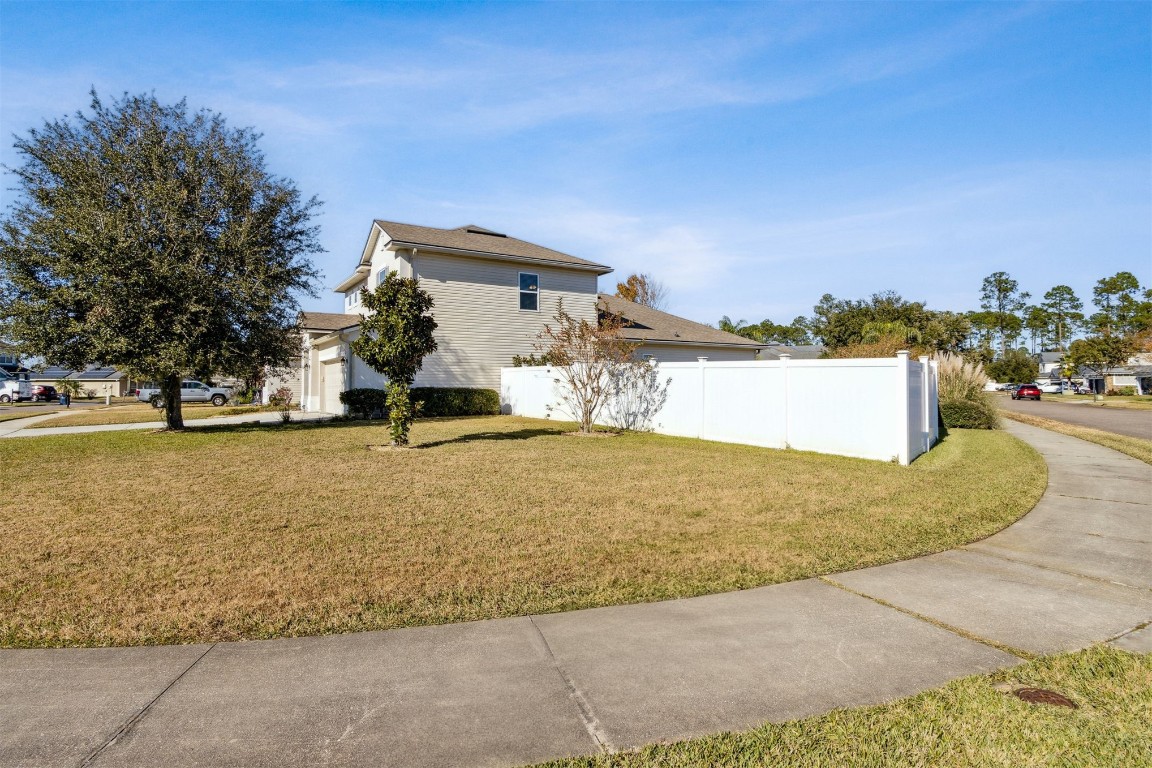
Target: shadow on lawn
<point x="520" y="434"/>
<point x="272" y="426"/>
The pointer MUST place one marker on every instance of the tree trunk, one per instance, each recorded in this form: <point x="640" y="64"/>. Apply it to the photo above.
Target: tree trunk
<point x="170" y="393"/>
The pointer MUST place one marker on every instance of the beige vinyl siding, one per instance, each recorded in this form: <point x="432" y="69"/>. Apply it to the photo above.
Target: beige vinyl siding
<point x="685" y="353"/>
<point x="291" y="379"/>
<point x="480" y="326"/>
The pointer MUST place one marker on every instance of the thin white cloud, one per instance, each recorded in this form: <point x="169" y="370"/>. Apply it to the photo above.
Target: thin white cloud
<point x="932" y="240"/>
<point x="458" y="85"/>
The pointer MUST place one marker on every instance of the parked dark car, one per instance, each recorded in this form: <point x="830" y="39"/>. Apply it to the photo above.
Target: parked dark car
<point x="1027" y="392"/>
<point x="43" y="393"/>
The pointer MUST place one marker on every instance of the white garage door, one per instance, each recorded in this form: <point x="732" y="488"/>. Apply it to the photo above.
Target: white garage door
<point x="331" y="385"/>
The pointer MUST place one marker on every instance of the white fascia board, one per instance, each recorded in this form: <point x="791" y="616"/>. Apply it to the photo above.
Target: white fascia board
<point x="359" y="276"/>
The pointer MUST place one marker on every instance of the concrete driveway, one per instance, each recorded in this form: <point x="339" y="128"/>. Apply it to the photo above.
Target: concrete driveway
<point x="1122" y="421"/>
<point x="510" y="691"/>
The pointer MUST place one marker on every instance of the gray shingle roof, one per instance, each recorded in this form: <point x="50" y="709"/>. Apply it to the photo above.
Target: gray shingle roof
<point x="481" y="241"/>
<point x="647" y="324"/>
<point x="97" y="374"/>
<point x="799" y="352"/>
<point x="51" y="373"/>
<point x="327" y="321"/>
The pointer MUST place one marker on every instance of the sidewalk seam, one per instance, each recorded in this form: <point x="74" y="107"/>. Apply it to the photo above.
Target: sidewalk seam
<point x="986" y="553"/>
<point x="136" y="718"/>
<point x="1002" y="647"/>
<point x="1094" y="498"/>
<point x="587" y="716"/>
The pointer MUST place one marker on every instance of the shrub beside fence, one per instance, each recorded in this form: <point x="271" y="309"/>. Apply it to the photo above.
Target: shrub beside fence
<point x="367" y="402"/>
<point x="456" y="401"/>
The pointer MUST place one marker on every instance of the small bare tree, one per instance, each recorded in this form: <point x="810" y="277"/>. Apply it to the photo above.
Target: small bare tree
<point x="643" y="289"/>
<point x="590" y="358"/>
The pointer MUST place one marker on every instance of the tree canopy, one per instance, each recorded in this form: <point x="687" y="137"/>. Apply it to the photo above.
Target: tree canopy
<point x="152" y="238"/>
<point x="841" y="323"/>
<point x="1065" y="312"/>
<point x="1002" y="300"/>
<point x="643" y="289"/>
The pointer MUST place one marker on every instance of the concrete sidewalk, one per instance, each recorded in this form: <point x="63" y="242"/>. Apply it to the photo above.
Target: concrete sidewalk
<point x="509" y="691"/>
<point x="16" y="427"/>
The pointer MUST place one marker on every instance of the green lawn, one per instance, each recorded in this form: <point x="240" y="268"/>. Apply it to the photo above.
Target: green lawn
<point x="226" y="533"/>
<point x="973" y="722"/>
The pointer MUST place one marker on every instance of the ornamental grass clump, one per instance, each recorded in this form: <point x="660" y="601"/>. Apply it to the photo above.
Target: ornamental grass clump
<point x="963" y="401"/>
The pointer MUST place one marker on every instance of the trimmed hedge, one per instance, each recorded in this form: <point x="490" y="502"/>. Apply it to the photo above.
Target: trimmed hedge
<point x="456" y="401"/>
<point x="365" y="401"/>
<point x="435" y="401"/>
<point x="969" y="414"/>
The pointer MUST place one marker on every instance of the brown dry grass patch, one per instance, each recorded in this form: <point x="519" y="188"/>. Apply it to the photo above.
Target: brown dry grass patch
<point x="243" y="532"/>
<point x="1131" y="402"/>
<point x="1135" y="447"/>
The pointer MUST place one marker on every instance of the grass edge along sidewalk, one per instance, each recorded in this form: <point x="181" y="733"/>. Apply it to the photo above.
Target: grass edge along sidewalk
<point x="1135" y="447"/>
<point x="972" y="721"/>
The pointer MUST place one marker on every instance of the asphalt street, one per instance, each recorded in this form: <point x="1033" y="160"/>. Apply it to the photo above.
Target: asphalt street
<point x="1122" y="421"/>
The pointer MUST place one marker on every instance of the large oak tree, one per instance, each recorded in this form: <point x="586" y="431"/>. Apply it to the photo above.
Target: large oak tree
<point x="152" y="238"/>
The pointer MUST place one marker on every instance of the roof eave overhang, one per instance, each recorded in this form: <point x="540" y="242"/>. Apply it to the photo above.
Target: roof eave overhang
<point x="599" y="269"/>
<point x="360" y="275"/>
<point x="685" y="343"/>
<point x="333" y="335"/>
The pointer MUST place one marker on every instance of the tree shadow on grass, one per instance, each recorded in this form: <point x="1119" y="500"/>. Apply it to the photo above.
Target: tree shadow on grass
<point x="275" y="426"/>
<point x="520" y="434"/>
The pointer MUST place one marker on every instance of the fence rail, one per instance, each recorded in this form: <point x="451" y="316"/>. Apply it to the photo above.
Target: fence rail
<point x="875" y="408"/>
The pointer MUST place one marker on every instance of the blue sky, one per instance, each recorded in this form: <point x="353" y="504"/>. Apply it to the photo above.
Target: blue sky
<point x="752" y="156"/>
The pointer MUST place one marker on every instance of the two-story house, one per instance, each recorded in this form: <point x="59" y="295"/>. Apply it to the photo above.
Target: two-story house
<point x="492" y="296"/>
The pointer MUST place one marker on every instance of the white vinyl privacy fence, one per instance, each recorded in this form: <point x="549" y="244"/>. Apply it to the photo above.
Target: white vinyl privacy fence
<point x="878" y="408"/>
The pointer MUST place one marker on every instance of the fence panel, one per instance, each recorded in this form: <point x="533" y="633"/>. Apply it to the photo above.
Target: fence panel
<point x="882" y="408"/>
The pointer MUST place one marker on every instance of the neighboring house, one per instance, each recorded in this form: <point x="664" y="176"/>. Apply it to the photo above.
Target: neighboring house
<point x="493" y="295"/>
<point x="50" y="375"/>
<point x="799" y="352"/>
<point x="1050" y="364"/>
<point x="102" y="381"/>
<point x="671" y="339"/>
<point x="1136" y="373"/>
<point x="10" y="364"/>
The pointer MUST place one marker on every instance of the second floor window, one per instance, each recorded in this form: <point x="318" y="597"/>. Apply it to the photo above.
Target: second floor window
<point x="529" y="291"/>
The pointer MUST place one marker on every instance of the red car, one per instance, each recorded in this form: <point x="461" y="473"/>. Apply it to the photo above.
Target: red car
<point x="1027" y="392"/>
<point x="43" y="392"/>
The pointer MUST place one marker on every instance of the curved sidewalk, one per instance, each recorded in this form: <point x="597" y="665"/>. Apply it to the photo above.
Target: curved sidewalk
<point x="1076" y="570"/>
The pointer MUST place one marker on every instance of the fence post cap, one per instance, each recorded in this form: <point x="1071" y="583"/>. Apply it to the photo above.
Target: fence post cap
<point x="702" y="359"/>
<point x="903" y="354"/>
<point x="786" y="356"/>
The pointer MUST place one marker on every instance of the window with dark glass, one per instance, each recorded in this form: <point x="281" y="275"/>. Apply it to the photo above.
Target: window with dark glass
<point x="529" y="291"/>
